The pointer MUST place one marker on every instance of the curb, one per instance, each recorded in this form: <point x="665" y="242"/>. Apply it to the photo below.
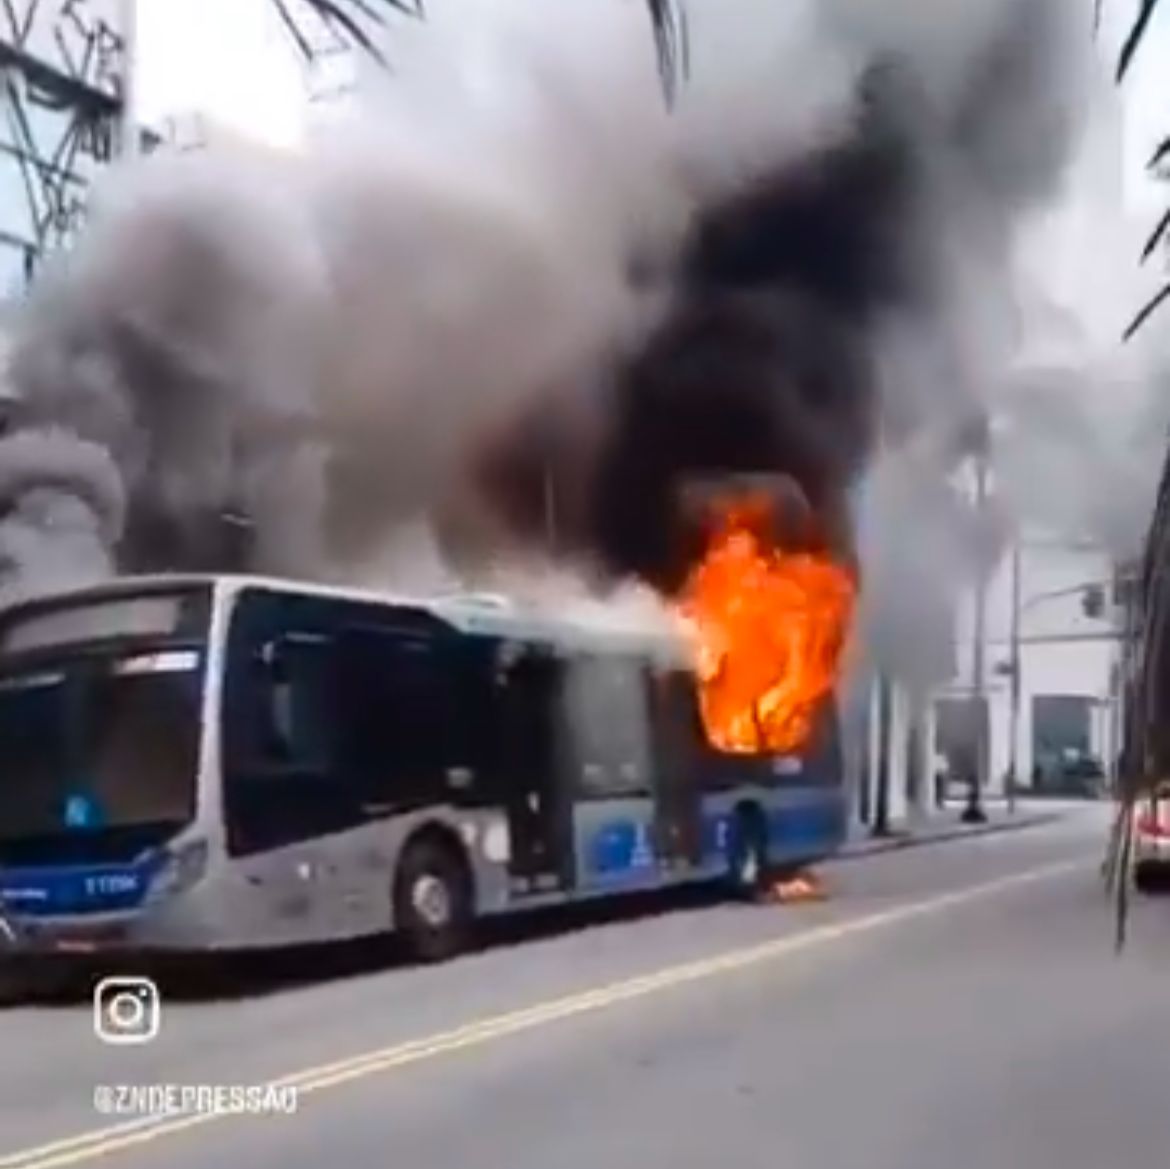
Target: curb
<point x="857" y="850"/>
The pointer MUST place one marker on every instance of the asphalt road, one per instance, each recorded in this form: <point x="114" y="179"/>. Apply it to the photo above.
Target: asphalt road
<point x="956" y="1006"/>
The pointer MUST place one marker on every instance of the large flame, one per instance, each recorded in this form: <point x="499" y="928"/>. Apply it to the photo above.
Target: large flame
<point x="771" y="627"/>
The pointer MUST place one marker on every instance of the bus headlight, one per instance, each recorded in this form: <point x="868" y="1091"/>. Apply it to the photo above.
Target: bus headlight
<point x="184" y="866"/>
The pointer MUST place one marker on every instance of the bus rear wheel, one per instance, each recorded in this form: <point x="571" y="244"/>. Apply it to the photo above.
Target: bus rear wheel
<point x="433" y="899"/>
<point x="747" y="861"/>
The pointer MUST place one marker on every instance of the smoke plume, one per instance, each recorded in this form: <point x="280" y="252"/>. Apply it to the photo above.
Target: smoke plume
<point x="519" y="300"/>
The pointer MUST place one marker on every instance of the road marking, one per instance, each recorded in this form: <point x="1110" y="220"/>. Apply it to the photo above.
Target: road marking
<point x="91" y="1145"/>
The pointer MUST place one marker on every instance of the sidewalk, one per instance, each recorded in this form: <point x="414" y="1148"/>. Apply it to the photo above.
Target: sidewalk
<point x="945" y="824"/>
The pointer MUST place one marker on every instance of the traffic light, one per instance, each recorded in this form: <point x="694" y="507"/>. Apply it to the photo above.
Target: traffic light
<point x="1093" y="601"/>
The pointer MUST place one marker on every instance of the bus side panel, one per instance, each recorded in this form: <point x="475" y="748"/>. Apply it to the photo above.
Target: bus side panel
<point x="608" y="747"/>
<point x="315" y="831"/>
<point x="809" y="815"/>
<point x="615" y="844"/>
<point x="802" y="798"/>
<point x="805" y="825"/>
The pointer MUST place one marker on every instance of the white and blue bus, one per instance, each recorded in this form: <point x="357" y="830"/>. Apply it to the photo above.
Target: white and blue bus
<point x="215" y="763"/>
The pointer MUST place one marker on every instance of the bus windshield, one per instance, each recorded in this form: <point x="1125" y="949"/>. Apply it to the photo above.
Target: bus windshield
<point x="98" y="756"/>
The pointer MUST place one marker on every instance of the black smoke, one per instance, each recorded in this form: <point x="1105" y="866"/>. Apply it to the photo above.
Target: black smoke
<point x="521" y="300"/>
<point x="763" y="363"/>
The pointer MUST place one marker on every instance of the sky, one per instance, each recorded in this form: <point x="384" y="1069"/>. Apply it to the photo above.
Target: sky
<point x="1146" y="96"/>
<point x="229" y="59"/>
<point x="233" y="61"/>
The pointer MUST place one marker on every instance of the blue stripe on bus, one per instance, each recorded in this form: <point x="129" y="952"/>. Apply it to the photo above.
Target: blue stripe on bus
<point x="618" y="848"/>
<point x="806" y="830"/>
<point x="58" y="890"/>
<point x="622" y="846"/>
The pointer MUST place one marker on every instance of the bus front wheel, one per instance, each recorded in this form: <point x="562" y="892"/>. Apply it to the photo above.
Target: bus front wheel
<point x="433" y="899"/>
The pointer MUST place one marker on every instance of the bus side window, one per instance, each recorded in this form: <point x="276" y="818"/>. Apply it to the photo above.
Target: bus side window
<point x="280" y="785"/>
<point x="295" y="707"/>
<point x="609" y="721"/>
<point x="396" y="716"/>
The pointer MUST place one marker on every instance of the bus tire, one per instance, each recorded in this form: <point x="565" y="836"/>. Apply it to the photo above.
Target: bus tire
<point x="433" y="898"/>
<point x="747" y="859"/>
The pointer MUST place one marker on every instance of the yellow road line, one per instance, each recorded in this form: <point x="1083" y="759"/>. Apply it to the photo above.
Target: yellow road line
<point x="102" y="1142"/>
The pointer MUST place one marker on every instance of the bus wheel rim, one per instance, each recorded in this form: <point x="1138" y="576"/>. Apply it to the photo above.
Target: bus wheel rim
<point x="431" y="900"/>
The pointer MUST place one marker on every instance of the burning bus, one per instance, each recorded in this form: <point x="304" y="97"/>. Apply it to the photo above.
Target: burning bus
<point x="218" y="762"/>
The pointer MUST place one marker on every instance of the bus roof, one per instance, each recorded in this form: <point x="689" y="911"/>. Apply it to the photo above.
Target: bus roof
<point x="489" y="615"/>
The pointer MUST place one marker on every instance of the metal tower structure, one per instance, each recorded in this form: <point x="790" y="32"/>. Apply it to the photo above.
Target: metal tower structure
<point x="62" y="95"/>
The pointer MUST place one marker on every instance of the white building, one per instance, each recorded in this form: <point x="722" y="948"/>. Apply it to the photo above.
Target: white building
<point x="1068" y="659"/>
<point x="1066" y="708"/>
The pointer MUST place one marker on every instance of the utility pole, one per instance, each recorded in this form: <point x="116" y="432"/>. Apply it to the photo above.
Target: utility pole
<point x="1014" y="725"/>
<point x="129" y="138"/>
<point x="973" y="813"/>
<point x="550" y="509"/>
<point x="885" y="715"/>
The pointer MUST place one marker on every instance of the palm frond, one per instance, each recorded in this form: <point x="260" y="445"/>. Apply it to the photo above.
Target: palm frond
<point x="1147" y="311"/>
<point x="672" y="39"/>
<point x="352" y="20"/>
<point x="1133" y="42"/>
<point x="1157" y="236"/>
<point x="1161" y="151"/>
<point x="1137" y="33"/>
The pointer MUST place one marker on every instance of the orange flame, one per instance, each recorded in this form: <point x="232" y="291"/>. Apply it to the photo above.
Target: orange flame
<point x="771" y="627"/>
<point x="801" y="887"/>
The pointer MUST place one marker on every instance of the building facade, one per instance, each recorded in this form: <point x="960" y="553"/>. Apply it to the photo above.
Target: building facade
<point x="1052" y="664"/>
<point x="1053" y="658"/>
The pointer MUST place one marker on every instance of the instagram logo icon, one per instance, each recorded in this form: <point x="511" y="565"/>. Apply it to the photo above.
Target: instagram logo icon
<point x="126" y="1010"/>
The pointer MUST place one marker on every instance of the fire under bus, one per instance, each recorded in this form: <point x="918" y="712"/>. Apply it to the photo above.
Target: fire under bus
<point x="215" y="763"/>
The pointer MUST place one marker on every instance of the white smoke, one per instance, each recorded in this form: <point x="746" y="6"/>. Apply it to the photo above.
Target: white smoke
<point x="67" y="511"/>
<point x="315" y="341"/>
<point x="318" y="342"/>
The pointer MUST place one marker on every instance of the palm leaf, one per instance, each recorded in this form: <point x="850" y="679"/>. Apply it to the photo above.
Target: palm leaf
<point x="1148" y="311"/>
<point x="671" y="36"/>
<point x="1137" y="33"/>
<point x="1156" y="236"/>
<point x="1159" y="155"/>
<point x="352" y="20"/>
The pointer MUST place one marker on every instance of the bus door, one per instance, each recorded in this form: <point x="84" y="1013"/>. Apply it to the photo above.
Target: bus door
<point x="678" y="769"/>
<point x="536" y="794"/>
